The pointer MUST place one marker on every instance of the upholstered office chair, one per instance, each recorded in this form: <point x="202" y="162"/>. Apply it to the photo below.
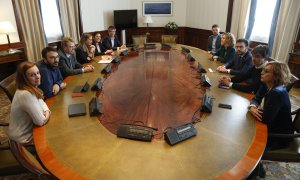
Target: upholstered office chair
<point x="169" y="39"/>
<point x="9" y="86"/>
<point x="139" y="40"/>
<point x="291" y="153"/>
<point x="28" y="161"/>
<point x="294" y="81"/>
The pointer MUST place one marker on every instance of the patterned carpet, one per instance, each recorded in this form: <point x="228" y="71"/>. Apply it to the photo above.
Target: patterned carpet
<point x="274" y="170"/>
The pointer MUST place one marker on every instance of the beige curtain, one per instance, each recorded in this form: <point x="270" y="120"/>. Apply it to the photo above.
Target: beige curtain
<point x="69" y="18"/>
<point x="239" y="22"/>
<point x="289" y="15"/>
<point x="30" y="17"/>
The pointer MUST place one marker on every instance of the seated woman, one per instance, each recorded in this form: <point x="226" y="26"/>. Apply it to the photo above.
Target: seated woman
<point x="99" y="49"/>
<point x="85" y="50"/>
<point x="28" y="108"/>
<point x="272" y="105"/>
<point x="226" y="52"/>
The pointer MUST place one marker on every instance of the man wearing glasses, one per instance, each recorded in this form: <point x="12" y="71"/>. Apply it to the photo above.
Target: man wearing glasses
<point x="68" y="64"/>
<point x="51" y="79"/>
<point x="241" y="62"/>
<point x="111" y="42"/>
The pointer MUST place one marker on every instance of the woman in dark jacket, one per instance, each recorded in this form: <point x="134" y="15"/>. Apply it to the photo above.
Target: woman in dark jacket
<point x="272" y="105"/>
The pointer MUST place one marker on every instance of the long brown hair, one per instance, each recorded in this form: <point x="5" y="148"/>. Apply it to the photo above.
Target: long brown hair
<point x="23" y="83"/>
<point x="82" y="41"/>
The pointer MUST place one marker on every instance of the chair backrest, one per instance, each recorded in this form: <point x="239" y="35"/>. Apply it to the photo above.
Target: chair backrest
<point x="9" y="86"/>
<point x="139" y="40"/>
<point x="296" y="122"/>
<point x="294" y="81"/>
<point x="28" y="161"/>
<point x="169" y="39"/>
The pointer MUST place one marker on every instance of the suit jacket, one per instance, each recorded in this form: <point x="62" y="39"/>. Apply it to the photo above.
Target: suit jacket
<point x="276" y="112"/>
<point x="82" y="56"/>
<point x="49" y="77"/>
<point x="253" y="78"/>
<point x="106" y="42"/>
<point x="225" y="54"/>
<point x="68" y="66"/>
<point x="240" y="64"/>
<point x="102" y="49"/>
<point x="210" y="41"/>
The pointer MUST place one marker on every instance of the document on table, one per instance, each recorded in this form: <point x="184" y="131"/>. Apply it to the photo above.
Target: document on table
<point x="105" y="61"/>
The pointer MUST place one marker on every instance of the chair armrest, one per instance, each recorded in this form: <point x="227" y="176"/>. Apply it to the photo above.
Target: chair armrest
<point x="295" y="112"/>
<point x="271" y="135"/>
<point x="4" y="124"/>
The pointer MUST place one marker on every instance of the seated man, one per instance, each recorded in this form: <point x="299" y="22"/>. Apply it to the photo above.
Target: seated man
<point x="259" y="55"/>
<point x="214" y="41"/>
<point x="51" y="79"/>
<point x="68" y="65"/>
<point x="242" y="60"/>
<point x="111" y="42"/>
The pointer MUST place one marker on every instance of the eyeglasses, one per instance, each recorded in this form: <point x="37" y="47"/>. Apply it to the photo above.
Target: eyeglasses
<point x="239" y="47"/>
<point x="266" y="70"/>
<point x="112" y="31"/>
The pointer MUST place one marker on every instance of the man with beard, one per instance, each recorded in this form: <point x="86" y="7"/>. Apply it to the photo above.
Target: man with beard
<point x="214" y="41"/>
<point x="51" y="78"/>
<point x="241" y="62"/>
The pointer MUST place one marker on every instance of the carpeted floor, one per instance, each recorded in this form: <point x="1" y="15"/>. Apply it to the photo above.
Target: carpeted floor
<point x="274" y="170"/>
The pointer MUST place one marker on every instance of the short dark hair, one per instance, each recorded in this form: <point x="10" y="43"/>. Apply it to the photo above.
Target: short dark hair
<point x="46" y="50"/>
<point x="245" y="41"/>
<point x="95" y="33"/>
<point x="111" y="28"/>
<point x="215" y="26"/>
<point x="262" y="50"/>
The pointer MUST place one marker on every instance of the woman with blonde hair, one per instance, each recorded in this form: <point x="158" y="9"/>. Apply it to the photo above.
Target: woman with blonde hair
<point x="271" y="104"/>
<point x="85" y="49"/>
<point x="28" y="107"/>
<point x="226" y="52"/>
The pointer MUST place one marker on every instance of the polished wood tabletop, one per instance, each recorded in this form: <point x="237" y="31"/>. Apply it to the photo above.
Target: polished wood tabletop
<point x="228" y="145"/>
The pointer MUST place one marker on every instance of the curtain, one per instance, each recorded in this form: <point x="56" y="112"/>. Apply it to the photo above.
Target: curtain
<point x="69" y="18"/>
<point x="288" y="18"/>
<point x="240" y="18"/>
<point x="251" y="18"/>
<point x="30" y="19"/>
<point x="274" y="25"/>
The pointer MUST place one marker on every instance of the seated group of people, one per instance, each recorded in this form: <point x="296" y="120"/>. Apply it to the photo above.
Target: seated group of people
<point x="254" y="74"/>
<point x="36" y="82"/>
<point x="271" y="104"/>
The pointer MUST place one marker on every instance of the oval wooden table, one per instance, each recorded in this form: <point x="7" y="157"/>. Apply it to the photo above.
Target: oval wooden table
<point x="228" y="145"/>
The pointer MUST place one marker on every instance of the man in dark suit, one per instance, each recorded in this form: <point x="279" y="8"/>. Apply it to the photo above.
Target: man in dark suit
<point x="241" y="62"/>
<point x="111" y="42"/>
<point x="68" y="65"/>
<point x="214" y="41"/>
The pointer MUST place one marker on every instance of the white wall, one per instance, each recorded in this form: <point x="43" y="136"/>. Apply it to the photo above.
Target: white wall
<point x="7" y="14"/>
<point x="98" y="14"/>
<point x="203" y="14"/>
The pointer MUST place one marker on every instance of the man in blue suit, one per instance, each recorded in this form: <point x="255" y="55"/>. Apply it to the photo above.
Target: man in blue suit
<point x="51" y="79"/>
<point x="214" y="41"/>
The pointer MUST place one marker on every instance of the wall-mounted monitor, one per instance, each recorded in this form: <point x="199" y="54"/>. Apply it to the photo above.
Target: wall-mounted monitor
<point x="125" y="19"/>
<point x="158" y="8"/>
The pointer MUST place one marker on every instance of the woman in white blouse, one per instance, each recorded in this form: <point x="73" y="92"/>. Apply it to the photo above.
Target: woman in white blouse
<point x="28" y="107"/>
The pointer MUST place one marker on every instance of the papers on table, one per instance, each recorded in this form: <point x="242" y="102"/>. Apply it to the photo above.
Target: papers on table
<point x="105" y="59"/>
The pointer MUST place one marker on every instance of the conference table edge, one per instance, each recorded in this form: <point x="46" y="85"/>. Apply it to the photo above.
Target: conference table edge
<point x="240" y="171"/>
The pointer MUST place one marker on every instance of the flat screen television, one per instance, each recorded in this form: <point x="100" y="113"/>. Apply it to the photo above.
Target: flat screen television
<point x="125" y="19"/>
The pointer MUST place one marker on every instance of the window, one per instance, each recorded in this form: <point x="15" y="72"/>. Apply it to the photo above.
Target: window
<point x="263" y="19"/>
<point x="51" y="20"/>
